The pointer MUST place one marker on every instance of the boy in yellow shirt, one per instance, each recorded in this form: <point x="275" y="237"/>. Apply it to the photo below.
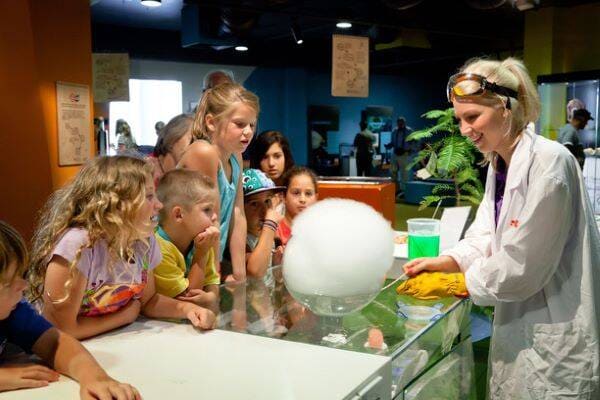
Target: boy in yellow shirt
<point x="187" y="234"/>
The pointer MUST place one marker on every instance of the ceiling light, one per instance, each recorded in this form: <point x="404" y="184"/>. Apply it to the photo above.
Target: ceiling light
<point x="151" y="3"/>
<point x="297" y="34"/>
<point x="241" y="48"/>
<point x="344" y="25"/>
<point x="523" y="5"/>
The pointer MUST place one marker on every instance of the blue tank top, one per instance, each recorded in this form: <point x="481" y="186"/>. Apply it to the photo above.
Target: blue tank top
<point x="227" y="194"/>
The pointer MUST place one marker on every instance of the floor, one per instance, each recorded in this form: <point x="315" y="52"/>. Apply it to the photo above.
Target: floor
<point x="405" y="211"/>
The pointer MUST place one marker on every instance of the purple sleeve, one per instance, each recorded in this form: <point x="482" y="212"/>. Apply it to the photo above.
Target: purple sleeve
<point x="68" y="245"/>
<point x="154" y="252"/>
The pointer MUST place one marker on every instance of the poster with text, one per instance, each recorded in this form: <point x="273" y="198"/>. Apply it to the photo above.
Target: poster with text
<point x="350" y="66"/>
<point x="111" y="77"/>
<point x="73" y="106"/>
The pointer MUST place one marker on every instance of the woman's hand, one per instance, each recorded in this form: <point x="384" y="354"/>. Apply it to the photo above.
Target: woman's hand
<point x="26" y="376"/>
<point x="107" y="388"/>
<point x="440" y="264"/>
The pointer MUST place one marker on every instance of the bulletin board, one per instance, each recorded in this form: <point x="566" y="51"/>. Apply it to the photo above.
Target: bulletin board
<point x="111" y="77"/>
<point x="350" y="66"/>
<point x="73" y="116"/>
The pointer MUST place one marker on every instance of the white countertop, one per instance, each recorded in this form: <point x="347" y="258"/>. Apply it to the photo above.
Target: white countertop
<point x="174" y="361"/>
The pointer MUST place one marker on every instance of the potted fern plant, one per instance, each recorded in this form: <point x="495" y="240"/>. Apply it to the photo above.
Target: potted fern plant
<point x="450" y="157"/>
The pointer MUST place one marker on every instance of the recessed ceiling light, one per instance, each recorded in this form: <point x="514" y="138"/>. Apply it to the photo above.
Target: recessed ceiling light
<point x="344" y="25"/>
<point x="151" y="3"/>
<point x="241" y="48"/>
<point x="296" y="33"/>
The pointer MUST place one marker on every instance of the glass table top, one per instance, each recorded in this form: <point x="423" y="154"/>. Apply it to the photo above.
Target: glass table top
<point x="255" y="308"/>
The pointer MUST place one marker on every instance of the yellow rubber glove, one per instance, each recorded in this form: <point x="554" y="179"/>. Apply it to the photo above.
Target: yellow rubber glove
<point x="434" y="285"/>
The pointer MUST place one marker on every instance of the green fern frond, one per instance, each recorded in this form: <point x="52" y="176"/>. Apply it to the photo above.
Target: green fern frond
<point x="429" y="132"/>
<point x="421" y="155"/>
<point x="442" y="187"/>
<point x="428" y="200"/>
<point x="471" y="190"/>
<point x="469" y="174"/>
<point x="471" y="199"/>
<point x="435" y="114"/>
<point x="454" y="155"/>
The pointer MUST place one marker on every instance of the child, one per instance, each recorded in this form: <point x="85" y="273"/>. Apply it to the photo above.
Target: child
<point x="186" y="236"/>
<point x="263" y="220"/>
<point x="271" y="154"/>
<point x="125" y="140"/>
<point x="21" y="325"/>
<point x="301" y="192"/>
<point x="94" y="248"/>
<point x="225" y="121"/>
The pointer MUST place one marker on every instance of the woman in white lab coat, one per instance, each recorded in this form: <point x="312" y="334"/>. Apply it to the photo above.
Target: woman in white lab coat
<point x="533" y="250"/>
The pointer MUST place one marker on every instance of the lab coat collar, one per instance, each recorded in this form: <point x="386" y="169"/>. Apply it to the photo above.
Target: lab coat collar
<point x="517" y="176"/>
<point x="521" y="159"/>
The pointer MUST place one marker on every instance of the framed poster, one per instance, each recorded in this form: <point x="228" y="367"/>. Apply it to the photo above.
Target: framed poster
<point x="73" y="112"/>
<point x="350" y="66"/>
<point x="111" y="77"/>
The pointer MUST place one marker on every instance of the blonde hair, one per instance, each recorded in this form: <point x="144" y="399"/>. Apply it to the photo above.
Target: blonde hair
<point x="513" y="74"/>
<point x="12" y="249"/>
<point x="181" y="187"/>
<point x="104" y="198"/>
<point x="220" y="102"/>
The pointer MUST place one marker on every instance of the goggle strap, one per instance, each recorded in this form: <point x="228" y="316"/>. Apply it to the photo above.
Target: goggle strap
<point x="502" y="90"/>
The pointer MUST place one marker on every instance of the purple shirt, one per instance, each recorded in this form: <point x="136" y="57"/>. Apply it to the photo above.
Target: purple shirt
<point x="110" y="284"/>
<point x="500" y="185"/>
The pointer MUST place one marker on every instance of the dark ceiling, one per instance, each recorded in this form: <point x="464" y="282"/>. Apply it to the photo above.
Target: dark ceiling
<point x="425" y="32"/>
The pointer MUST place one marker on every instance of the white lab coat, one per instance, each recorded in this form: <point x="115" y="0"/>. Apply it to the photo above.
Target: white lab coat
<point x="541" y="270"/>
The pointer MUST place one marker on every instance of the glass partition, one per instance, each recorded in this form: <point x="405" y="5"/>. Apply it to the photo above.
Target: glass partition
<point x="414" y="344"/>
<point x="555" y="93"/>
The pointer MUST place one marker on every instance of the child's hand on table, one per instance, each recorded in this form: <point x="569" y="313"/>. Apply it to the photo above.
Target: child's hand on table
<point x="107" y="388"/>
<point x="14" y="377"/>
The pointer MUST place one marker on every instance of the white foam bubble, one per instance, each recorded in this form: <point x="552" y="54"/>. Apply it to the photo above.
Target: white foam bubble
<point x="339" y="248"/>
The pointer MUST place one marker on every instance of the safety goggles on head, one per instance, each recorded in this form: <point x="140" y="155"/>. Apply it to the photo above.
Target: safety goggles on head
<point x="472" y="85"/>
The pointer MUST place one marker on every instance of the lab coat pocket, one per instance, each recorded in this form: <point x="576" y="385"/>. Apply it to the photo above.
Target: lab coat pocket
<point x="559" y="361"/>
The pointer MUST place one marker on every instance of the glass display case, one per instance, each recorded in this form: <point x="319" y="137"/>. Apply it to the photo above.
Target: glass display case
<point x="555" y="93"/>
<point x="428" y="341"/>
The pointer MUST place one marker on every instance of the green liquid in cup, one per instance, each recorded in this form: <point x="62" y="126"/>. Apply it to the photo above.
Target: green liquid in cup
<point x="423" y="246"/>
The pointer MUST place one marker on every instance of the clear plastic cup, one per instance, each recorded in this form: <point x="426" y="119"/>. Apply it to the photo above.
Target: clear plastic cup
<point x="423" y="237"/>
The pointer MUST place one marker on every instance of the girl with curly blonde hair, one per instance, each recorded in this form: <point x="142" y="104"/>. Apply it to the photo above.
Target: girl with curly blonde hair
<point x="93" y="250"/>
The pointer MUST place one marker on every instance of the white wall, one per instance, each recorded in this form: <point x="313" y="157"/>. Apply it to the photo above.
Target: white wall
<point x="191" y="75"/>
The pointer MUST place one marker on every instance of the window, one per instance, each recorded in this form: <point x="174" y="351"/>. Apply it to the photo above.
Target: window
<point x="150" y="101"/>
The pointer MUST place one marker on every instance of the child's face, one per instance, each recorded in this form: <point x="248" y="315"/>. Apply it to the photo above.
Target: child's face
<point x="179" y="147"/>
<point x="147" y="217"/>
<point x="238" y="130"/>
<point x="198" y="217"/>
<point x="11" y="292"/>
<point x="273" y="162"/>
<point x="255" y="207"/>
<point x="300" y="194"/>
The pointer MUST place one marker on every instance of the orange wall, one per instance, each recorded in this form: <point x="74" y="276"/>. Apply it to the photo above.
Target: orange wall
<point x="40" y="43"/>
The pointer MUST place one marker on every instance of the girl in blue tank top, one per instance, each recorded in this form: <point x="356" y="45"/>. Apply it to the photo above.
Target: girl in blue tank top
<point x="224" y="124"/>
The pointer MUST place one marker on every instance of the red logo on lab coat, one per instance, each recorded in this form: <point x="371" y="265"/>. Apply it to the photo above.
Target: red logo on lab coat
<point x="514" y="223"/>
